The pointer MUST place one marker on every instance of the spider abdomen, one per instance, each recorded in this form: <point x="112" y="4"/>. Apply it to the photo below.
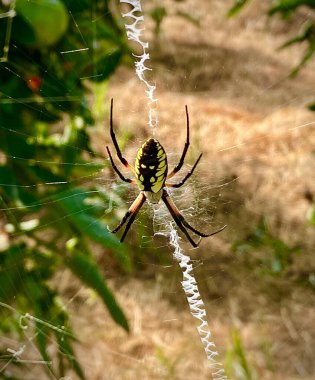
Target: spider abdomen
<point x="151" y="166"/>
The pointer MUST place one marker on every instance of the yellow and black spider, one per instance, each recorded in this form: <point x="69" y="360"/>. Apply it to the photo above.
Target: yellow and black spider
<point x="151" y="172"/>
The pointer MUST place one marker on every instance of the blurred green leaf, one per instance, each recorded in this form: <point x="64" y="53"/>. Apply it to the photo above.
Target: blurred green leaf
<point x="311" y="217"/>
<point x="12" y="272"/>
<point x="56" y="47"/>
<point x="236" y="359"/>
<point x="158" y="14"/>
<point x="189" y="17"/>
<point x="306" y="57"/>
<point x="307" y="32"/>
<point x="42" y="333"/>
<point x="75" y="207"/>
<point x="76" y="6"/>
<point x="104" y="66"/>
<point x="87" y="270"/>
<point x="306" y="35"/>
<point x="50" y="29"/>
<point x="65" y="349"/>
<point x="23" y="32"/>
<point x="289" y="5"/>
<point x="261" y="239"/>
<point x="238" y="5"/>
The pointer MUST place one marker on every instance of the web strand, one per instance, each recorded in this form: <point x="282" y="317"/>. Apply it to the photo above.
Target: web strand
<point x="134" y="33"/>
<point x="196" y="305"/>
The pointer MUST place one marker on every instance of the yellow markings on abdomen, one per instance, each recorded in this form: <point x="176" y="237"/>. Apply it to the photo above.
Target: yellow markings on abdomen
<point x="160" y="172"/>
<point x="151" y="166"/>
<point x="156" y="188"/>
<point x="162" y="164"/>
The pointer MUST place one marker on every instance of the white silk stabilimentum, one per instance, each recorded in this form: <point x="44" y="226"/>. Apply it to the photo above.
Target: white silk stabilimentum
<point x="196" y="305"/>
<point x="134" y="32"/>
<point x="189" y="284"/>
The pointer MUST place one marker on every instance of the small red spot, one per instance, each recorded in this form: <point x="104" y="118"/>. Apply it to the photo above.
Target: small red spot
<point x="34" y="83"/>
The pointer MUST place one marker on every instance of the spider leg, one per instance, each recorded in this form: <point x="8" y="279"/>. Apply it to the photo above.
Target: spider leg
<point x="178" y="218"/>
<point x="182" y="159"/>
<point x="191" y="171"/>
<point x="132" y="213"/>
<point x="121" y="176"/>
<point x="182" y="223"/>
<point x="113" y="136"/>
<point x="186" y="224"/>
<point x="133" y="216"/>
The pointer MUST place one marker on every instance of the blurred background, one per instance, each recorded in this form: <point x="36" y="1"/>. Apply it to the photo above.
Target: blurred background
<point x="77" y="304"/>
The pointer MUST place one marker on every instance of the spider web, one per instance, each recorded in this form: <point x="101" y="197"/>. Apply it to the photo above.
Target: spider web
<point x="189" y="283"/>
<point x="211" y="187"/>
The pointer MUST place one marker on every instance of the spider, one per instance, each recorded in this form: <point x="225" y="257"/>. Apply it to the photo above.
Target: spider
<point x="151" y="172"/>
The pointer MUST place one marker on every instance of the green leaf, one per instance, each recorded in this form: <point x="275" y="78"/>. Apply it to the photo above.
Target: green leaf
<point x="286" y="6"/>
<point x="307" y="34"/>
<point x="22" y="31"/>
<point x="42" y="334"/>
<point x="311" y="216"/>
<point x="76" y="6"/>
<point x="66" y="349"/>
<point x="87" y="270"/>
<point x="307" y="31"/>
<point x="311" y="107"/>
<point x="48" y="30"/>
<point x="306" y="57"/>
<point x="158" y="14"/>
<point x="101" y="68"/>
<point x="74" y="204"/>
<point x="12" y="272"/>
<point x="238" y="5"/>
<point x="102" y="30"/>
<point x="42" y="174"/>
<point x="189" y="17"/>
<point x="240" y="355"/>
<point x="14" y="190"/>
<point x="261" y="239"/>
<point x="17" y="145"/>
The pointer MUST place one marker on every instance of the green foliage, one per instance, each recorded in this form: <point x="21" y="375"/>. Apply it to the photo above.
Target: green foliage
<point x="24" y="274"/>
<point x="87" y="270"/>
<point x="237" y="365"/>
<point x="307" y="35"/>
<point x="76" y="205"/>
<point x="45" y="30"/>
<point x="286" y="8"/>
<point x="238" y="5"/>
<point x="275" y="256"/>
<point x="312" y="215"/>
<point x="170" y="365"/>
<point x="51" y="222"/>
<point x="159" y="13"/>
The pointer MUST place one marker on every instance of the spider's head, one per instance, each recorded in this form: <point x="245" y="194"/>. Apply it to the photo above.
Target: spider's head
<point x="150" y="146"/>
<point x="151" y="166"/>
